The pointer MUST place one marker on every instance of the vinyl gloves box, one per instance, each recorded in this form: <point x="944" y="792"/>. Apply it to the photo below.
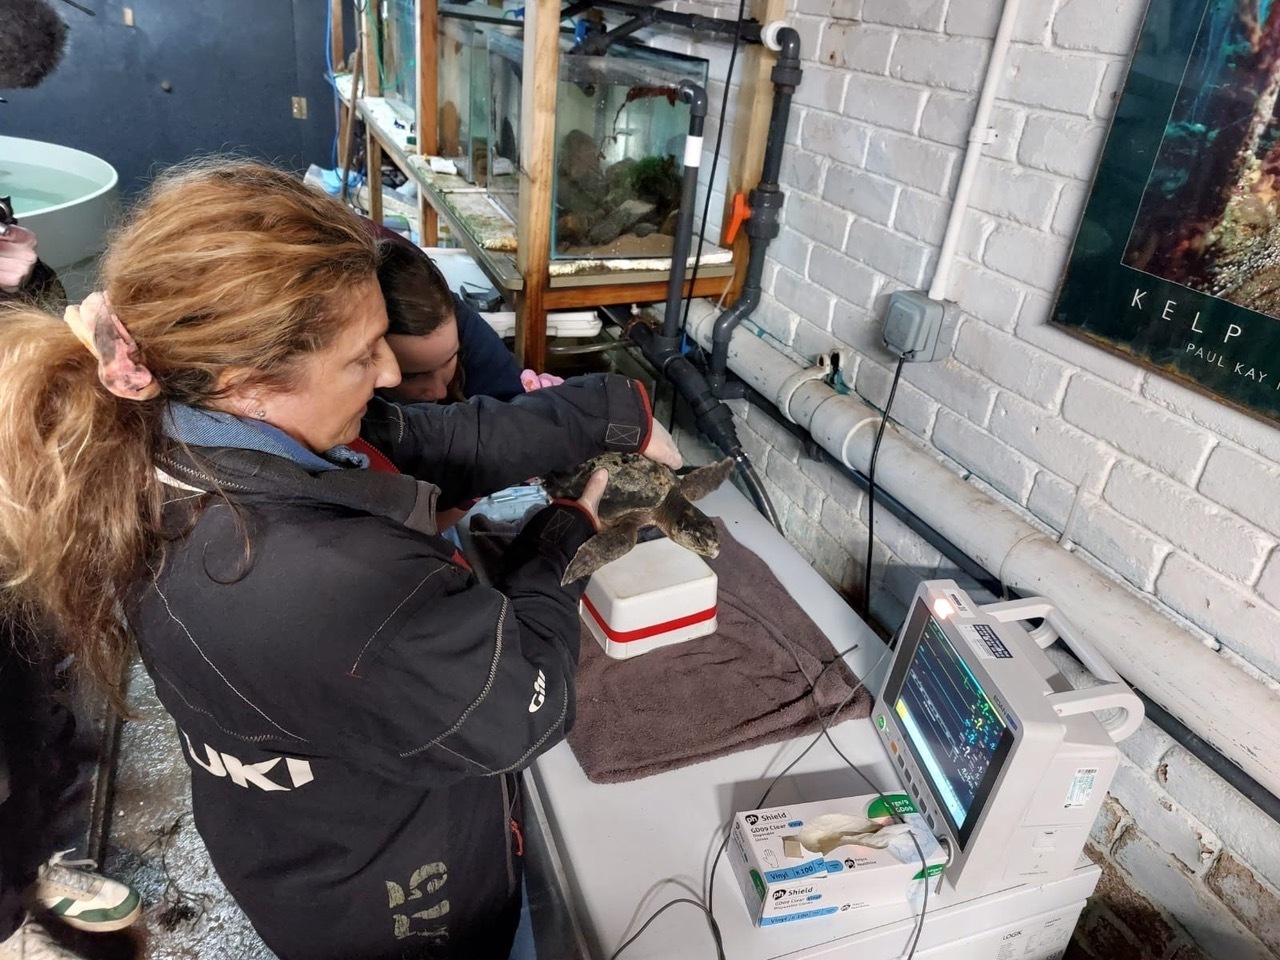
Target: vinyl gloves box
<point x="811" y="860"/>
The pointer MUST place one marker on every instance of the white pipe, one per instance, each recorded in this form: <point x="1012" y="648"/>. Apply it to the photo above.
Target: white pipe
<point x="980" y="134"/>
<point x="1234" y="712"/>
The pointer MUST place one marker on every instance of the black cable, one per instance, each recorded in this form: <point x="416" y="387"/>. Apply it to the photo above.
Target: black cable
<point x="924" y="906"/>
<point x="825" y="724"/>
<point x="711" y="179"/>
<point x="707" y="908"/>
<point x="715" y="929"/>
<point x="871" y="492"/>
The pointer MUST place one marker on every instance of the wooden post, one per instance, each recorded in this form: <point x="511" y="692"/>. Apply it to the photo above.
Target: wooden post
<point x="369" y="38"/>
<point x="373" y="154"/>
<point x="427" y="109"/>
<point x="537" y="167"/>
<point x="337" y="49"/>
<point x="750" y="129"/>
<point x="348" y="147"/>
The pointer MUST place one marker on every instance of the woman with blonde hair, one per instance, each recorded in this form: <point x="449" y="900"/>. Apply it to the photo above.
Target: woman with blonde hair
<point x="201" y="450"/>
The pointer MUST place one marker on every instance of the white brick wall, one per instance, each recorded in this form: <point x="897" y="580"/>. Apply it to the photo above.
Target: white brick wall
<point x="1171" y="493"/>
<point x="1208" y="533"/>
<point x="1245" y="485"/>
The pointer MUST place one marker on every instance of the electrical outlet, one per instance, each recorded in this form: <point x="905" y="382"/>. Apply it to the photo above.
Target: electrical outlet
<point x="911" y="325"/>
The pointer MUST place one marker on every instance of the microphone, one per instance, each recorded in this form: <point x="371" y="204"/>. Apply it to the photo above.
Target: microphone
<point x="32" y="38"/>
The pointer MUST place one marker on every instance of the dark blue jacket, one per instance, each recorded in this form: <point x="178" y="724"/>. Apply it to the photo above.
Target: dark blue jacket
<point x="354" y="705"/>
<point x="488" y="367"/>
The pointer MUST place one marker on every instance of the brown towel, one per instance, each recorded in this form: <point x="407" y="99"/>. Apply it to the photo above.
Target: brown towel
<point x="743" y="686"/>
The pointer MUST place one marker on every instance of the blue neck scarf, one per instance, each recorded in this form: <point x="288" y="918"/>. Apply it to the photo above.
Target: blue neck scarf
<point x="212" y="428"/>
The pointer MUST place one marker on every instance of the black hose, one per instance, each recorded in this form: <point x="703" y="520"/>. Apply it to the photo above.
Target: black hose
<point x="758" y="493"/>
<point x="713" y="417"/>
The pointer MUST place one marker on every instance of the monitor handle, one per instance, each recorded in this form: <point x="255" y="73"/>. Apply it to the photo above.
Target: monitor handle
<point x="1124" y="708"/>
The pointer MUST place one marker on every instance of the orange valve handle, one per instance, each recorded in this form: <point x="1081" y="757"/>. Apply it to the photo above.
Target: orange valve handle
<point x="739" y="212"/>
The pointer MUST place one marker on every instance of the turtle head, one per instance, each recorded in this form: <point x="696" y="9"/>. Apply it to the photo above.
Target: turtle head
<point x="695" y="531"/>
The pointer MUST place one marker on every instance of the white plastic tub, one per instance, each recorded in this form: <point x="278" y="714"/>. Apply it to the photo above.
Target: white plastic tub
<point x="68" y="197"/>
<point x="658" y="594"/>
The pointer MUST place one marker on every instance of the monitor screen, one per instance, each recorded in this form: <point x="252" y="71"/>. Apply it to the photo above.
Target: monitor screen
<point x="958" y="737"/>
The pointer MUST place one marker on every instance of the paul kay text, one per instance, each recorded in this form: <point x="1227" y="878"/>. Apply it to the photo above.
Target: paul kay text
<point x="1212" y="353"/>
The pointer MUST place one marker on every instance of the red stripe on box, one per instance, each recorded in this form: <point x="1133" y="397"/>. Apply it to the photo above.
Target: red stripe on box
<point x="644" y="633"/>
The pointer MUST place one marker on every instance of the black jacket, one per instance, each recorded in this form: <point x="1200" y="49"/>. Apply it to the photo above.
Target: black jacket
<point x="354" y="703"/>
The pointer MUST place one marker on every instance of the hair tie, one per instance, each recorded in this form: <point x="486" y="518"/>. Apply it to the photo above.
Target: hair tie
<point x="96" y="325"/>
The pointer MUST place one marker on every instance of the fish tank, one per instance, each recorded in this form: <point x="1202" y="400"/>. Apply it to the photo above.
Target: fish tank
<point x="463" y="92"/>
<point x="398" y="56"/>
<point x="620" y="132"/>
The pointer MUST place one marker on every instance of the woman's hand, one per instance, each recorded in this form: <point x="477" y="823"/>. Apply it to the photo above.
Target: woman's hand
<point x="662" y="448"/>
<point x="591" y="495"/>
<point x="17" y="258"/>
<point x="531" y="380"/>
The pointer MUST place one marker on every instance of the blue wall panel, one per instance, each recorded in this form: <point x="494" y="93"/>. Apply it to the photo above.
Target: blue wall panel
<point x="232" y="67"/>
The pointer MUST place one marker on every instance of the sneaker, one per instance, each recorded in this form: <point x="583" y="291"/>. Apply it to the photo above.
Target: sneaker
<point x="85" y="900"/>
<point x="32" y="942"/>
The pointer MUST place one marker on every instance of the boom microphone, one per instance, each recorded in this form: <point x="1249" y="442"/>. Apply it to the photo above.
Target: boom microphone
<point x="32" y="38"/>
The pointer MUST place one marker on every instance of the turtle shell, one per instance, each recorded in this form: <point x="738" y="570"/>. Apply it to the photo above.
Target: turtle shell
<point x="636" y="483"/>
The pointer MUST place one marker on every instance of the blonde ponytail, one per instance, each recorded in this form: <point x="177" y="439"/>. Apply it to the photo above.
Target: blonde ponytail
<point x="79" y="503"/>
<point x="226" y="266"/>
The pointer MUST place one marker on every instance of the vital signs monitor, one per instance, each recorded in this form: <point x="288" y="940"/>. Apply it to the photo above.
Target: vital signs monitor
<point x="1007" y="761"/>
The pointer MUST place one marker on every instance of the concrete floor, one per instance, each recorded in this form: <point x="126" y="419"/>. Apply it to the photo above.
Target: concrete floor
<point x="149" y="842"/>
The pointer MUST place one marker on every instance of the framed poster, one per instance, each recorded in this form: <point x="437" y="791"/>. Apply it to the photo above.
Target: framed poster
<point x="1176" y="264"/>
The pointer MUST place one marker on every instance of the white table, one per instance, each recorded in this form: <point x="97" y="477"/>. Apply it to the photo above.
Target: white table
<point x="619" y="851"/>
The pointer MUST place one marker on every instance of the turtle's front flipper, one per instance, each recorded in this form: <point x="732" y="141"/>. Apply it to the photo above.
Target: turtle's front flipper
<point x="700" y="482"/>
<point x="609" y="544"/>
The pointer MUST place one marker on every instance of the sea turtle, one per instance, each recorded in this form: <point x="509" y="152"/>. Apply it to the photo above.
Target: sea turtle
<point x="641" y="493"/>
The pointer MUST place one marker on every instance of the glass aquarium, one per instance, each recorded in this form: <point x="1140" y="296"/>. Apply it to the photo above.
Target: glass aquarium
<point x="620" y="132"/>
<point x="463" y="94"/>
<point x="398" y="56"/>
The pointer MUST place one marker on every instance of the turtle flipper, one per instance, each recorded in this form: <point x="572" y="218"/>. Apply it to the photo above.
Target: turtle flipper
<point x="609" y="544"/>
<point x="700" y="482"/>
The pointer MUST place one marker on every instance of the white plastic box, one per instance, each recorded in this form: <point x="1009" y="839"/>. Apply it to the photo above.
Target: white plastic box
<point x="658" y="594"/>
<point x="784" y="880"/>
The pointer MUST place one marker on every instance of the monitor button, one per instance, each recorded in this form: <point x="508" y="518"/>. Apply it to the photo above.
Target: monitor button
<point x="902" y="763"/>
<point x="929" y="821"/>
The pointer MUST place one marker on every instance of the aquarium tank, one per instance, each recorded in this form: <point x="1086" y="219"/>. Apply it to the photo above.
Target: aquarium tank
<point x="463" y="93"/>
<point x="398" y="56"/>
<point x="620" y="132"/>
